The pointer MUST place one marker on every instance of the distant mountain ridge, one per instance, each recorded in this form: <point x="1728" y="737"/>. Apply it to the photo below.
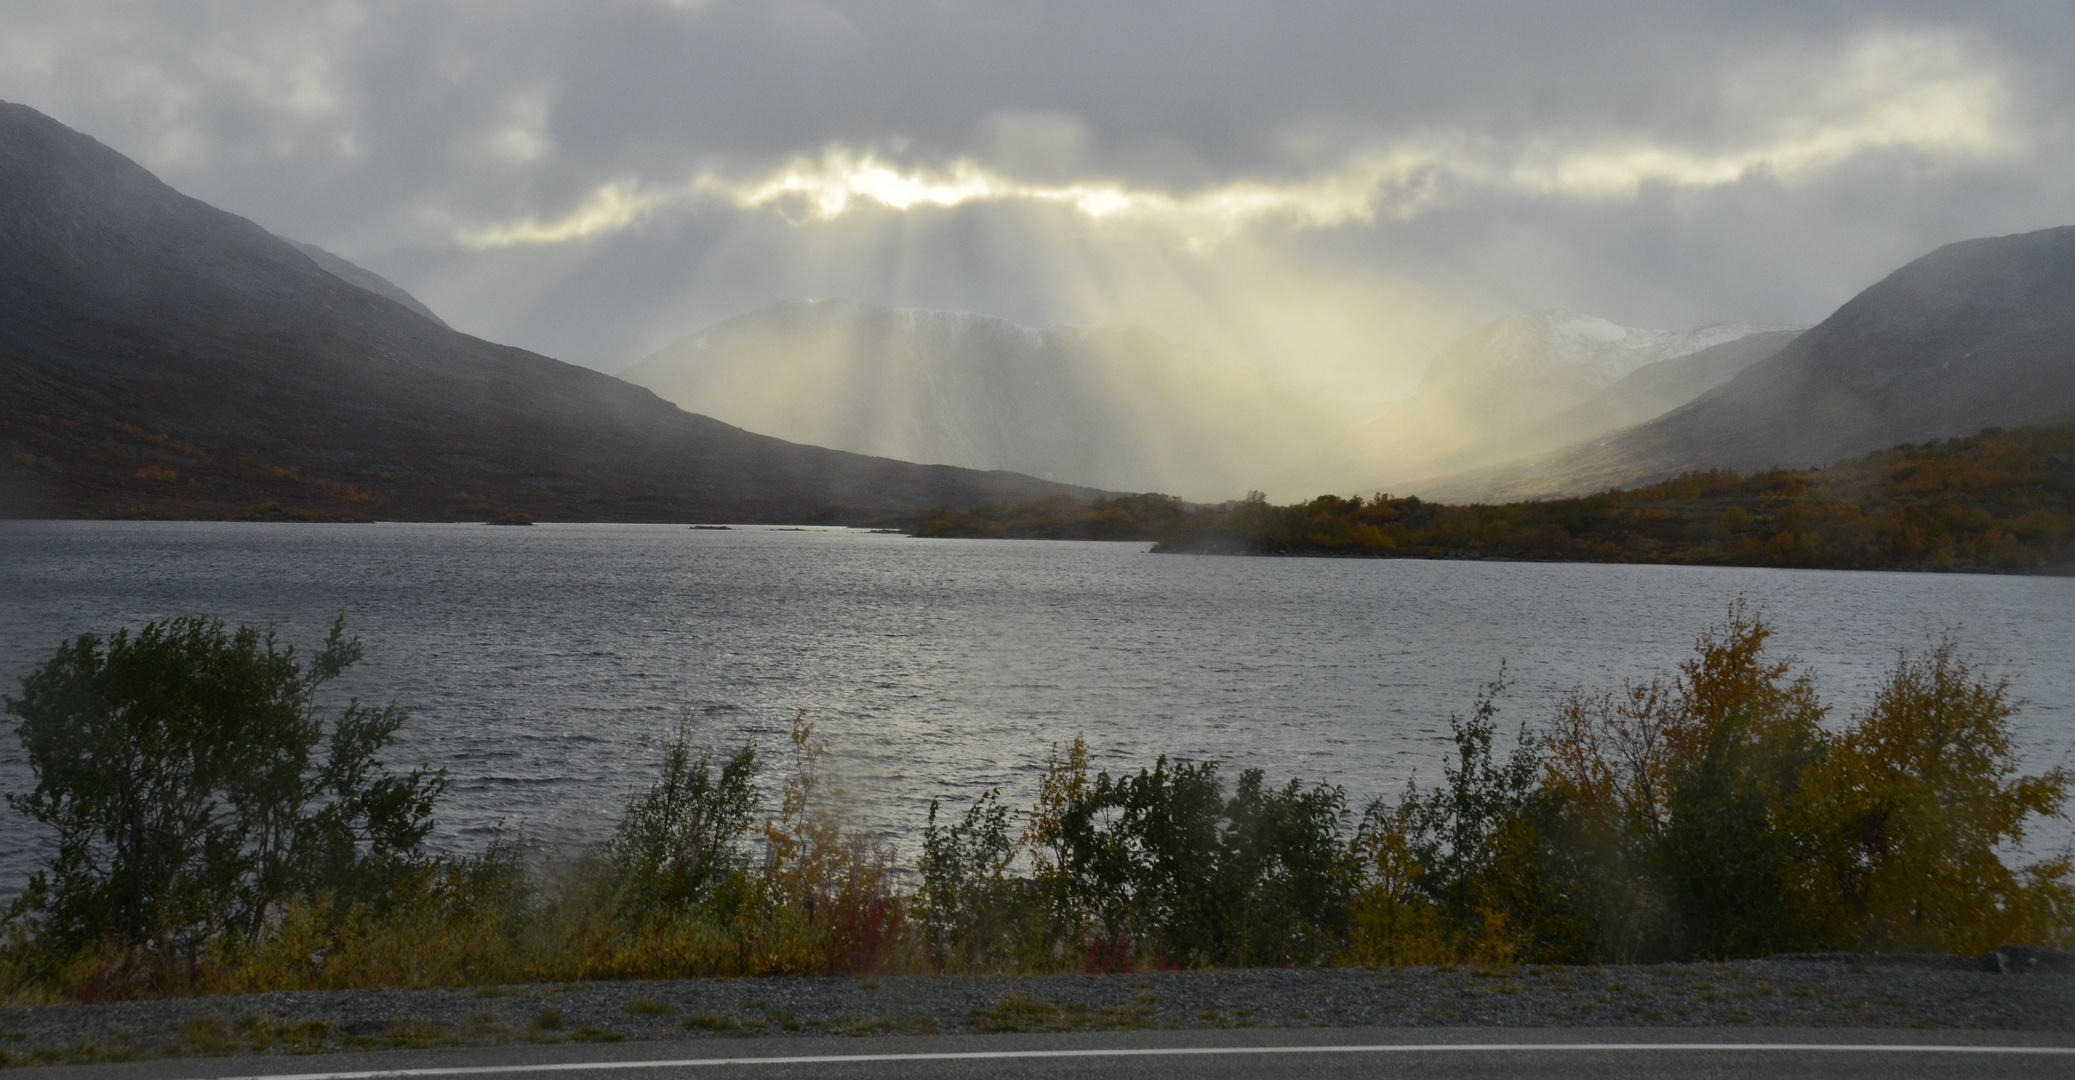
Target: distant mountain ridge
<point x="1655" y="389"/>
<point x="1976" y="334"/>
<point x="1642" y="395"/>
<point x="162" y="358"/>
<point x="159" y="357"/>
<point x="361" y="277"/>
<point x="1586" y="352"/>
<point x="1534" y="382"/>
<point x="1112" y="407"/>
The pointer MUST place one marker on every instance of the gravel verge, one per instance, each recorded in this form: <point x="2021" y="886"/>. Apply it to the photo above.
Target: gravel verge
<point x="2027" y="990"/>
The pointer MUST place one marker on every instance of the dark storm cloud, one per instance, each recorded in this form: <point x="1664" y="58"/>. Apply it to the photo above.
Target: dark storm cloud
<point x="393" y="133"/>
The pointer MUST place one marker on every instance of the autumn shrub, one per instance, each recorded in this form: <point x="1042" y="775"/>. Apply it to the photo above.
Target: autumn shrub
<point x="1909" y="813"/>
<point x="467" y="922"/>
<point x="1669" y="805"/>
<point x="692" y="884"/>
<point x="1391" y="922"/>
<point x="218" y="832"/>
<point x="1713" y="813"/>
<point x="1465" y="835"/>
<point x="842" y="882"/>
<point x="1716" y="815"/>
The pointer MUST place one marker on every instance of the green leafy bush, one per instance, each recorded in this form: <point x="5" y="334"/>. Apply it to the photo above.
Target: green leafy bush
<point x="679" y="844"/>
<point x="218" y="833"/>
<point x="1455" y="833"/>
<point x="974" y="912"/>
<point x="1154" y="868"/>
<point x="197" y="790"/>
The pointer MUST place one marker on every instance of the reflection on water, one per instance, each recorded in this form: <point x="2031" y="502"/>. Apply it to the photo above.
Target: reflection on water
<point x="545" y="663"/>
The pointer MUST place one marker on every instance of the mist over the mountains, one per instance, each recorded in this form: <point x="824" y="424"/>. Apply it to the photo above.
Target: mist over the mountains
<point x="1535" y="381"/>
<point x="1331" y="192"/>
<point x="1978" y="334"/>
<point x="1124" y="408"/>
<point x="1278" y="219"/>
<point x="1112" y="407"/>
<point x="162" y="358"/>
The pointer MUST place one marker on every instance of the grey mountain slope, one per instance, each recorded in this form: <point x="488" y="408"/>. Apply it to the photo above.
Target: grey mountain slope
<point x="1976" y="334"/>
<point x="1652" y="391"/>
<point x="361" y="277"/>
<point x="1117" y="408"/>
<point x="1534" y="382"/>
<point x="1639" y="396"/>
<point x="1529" y="366"/>
<point x="141" y="327"/>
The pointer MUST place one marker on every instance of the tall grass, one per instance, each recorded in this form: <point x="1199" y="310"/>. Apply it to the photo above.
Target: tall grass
<point x="1713" y="813"/>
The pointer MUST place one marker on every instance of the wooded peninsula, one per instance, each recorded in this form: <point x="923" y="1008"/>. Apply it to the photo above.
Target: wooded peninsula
<point x="2000" y="501"/>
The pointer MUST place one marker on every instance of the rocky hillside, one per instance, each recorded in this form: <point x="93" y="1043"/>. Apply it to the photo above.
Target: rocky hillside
<point x="160" y="357"/>
<point x="363" y="278"/>
<point x="1976" y="334"/>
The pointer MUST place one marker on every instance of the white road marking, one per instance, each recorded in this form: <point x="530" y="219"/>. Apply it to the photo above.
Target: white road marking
<point x="1175" y="1051"/>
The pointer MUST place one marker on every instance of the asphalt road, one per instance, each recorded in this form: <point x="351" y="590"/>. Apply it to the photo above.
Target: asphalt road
<point x="1603" y="1054"/>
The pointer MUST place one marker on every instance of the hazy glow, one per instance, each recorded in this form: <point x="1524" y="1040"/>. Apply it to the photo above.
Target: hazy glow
<point x="1919" y="93"/>
<point x="1261" y="268"/>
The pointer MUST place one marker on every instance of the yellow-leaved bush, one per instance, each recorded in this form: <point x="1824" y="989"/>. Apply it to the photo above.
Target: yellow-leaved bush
<point x="1909" y="815"/>
<point x="1721" y="811"/>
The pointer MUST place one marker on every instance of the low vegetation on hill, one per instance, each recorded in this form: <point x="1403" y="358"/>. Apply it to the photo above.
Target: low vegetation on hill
<point x="1997" y="501"/>
<point x="218" y="832"/>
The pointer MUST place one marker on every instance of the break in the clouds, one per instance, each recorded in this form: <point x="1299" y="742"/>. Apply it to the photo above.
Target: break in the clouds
<point x="1917" y="93"/>
<point x="1327" y="190"/>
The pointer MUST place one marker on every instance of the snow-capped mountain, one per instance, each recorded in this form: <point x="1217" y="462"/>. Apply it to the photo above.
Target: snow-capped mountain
<point x="1553" y="345"/>
<point x="1481" y="394"/>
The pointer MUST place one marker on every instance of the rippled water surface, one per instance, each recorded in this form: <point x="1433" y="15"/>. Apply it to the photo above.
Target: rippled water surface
<point x="543" y="664"/>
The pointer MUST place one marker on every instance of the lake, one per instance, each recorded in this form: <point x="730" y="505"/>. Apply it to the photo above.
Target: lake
<point x="545" y="664"/>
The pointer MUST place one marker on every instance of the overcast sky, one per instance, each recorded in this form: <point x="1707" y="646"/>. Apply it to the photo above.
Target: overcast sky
<point x="1330" y="190"/>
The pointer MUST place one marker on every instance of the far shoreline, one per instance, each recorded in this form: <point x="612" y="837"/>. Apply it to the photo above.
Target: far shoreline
<point x="1154" y="546"/>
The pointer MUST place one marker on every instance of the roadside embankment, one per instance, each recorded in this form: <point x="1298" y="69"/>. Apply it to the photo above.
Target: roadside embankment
<point x="2015" y="989"/>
